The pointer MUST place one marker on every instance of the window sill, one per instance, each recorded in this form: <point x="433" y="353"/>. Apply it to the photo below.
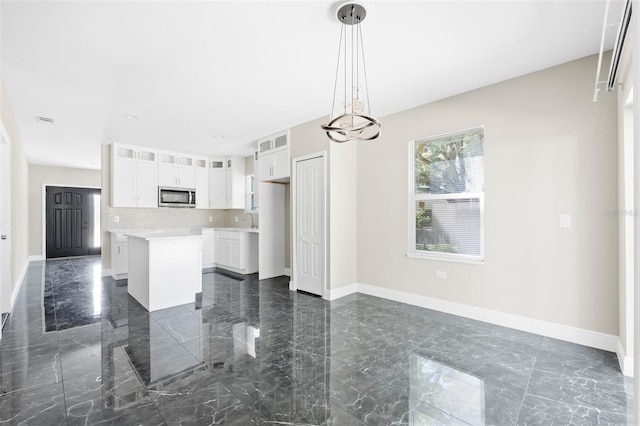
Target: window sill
<point x="444" y="258"/>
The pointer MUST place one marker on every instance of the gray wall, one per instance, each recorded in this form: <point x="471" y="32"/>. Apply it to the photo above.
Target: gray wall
<point x="549" y="150"/>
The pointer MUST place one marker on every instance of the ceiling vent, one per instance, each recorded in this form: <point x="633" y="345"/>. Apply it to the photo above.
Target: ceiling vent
<point x="47" y="120"/>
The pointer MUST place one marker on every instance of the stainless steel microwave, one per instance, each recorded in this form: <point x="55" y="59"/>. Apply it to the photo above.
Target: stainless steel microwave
<point x="176" y="197"/>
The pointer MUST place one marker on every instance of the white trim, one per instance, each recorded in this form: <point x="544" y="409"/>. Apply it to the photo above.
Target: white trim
<point x="626" y="363"/>
<point x="294" y="178"/>
<point x="36" y="258"/>
<point x="594" y="339"/>
<point x="14" y="293"/>
<point x="339" y="292"/>
<point x="287" y="271"/>
<point x="7" y="253"/>
<point x="107" y="272"/>
<point x="443" y="258"/>
<point x="636" y="197"/>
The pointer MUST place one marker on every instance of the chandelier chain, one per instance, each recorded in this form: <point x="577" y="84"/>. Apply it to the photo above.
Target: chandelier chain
<point x="364" y="71"/>
<point x="335" y="83"/>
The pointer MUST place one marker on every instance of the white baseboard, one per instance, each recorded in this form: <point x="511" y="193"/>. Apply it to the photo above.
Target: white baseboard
<point x="626" y="363"/>
<point x="36" y="258"/>
<point x="287" y="271"/>
<point x="339" y="292"/>
<point x="107" y="272"/>
<point x="292" y="286"/>
<point x="607" y="342"/>
<point x="14" y="293"/>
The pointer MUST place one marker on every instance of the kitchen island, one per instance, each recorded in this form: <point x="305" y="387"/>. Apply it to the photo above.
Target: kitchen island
<point x="165" y="268"/>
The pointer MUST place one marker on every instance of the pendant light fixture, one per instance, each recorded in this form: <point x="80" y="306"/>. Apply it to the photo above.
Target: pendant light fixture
<point x="353" y="121"/>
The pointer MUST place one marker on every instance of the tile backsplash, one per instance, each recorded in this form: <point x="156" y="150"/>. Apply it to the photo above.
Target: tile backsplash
<point x="163" y="218"/>
<point x="121" y="218"/>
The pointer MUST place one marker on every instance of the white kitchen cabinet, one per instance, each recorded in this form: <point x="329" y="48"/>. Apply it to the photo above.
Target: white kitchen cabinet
<point x="119" y="255"/>
<point x="176" y="170"/>
<point x="236" y="183"/>
<point x="236" y="250"/>
<point x="202" y="182"/>
<point x="274" y="167"/>
<point x="217" y="183"/>
<point x="165" y="269"/>
<point x="208" y="249"/>
<point x="274" y="158"/>
<point x="231" y="253"/>
<point x="134" y="176"/>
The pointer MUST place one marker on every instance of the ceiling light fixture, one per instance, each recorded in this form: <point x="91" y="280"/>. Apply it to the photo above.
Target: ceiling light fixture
<point x="131" y="116"/>
<point x="218" y="136"/>
<point x="355" y="121"/>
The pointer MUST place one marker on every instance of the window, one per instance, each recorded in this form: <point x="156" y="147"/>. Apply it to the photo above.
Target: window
<point x="446" y="202"/>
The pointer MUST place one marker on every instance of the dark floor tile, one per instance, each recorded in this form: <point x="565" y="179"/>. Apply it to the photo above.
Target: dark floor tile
<point x="42" y="405"/>
<point x="542" y="411"/>
<point x="203" y="403"/>
<point x="577" y="390"/>
<point x="29" y="367"/>
<point x="600" y="368"/>
<point x="254" y="352"/>
<point x="115" y="397"/>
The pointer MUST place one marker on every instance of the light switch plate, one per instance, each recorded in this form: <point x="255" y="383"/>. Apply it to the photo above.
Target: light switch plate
<point x="441" y="274"/>
<point x="565" y="221"/>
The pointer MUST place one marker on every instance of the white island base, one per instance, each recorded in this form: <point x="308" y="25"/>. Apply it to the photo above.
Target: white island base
<point x="165" y="269"/>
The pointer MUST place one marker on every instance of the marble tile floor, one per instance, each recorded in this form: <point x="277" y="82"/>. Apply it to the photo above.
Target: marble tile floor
<point x="78" y="350"/>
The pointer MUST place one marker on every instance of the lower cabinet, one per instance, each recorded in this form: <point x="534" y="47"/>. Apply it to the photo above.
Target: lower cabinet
<point x="119" y="255"/>
<point x="236" y="250"/>
<point x="208" y="242"/>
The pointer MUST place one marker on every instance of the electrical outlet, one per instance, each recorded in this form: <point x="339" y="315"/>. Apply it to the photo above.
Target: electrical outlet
<point x="210" y="218"/>
<point x="116" y="219"/>
<point x="565" y="221"/>
<point x="441" y="274"/>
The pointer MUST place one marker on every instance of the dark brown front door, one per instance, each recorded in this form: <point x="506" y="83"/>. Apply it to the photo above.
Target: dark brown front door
<point x="70" y="222"/>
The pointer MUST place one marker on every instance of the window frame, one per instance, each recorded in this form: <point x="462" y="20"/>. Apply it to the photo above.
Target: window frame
<point x="413" y="198"/>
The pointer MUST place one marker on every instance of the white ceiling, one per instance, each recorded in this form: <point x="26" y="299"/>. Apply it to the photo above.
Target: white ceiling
<point x="191" y="70"/>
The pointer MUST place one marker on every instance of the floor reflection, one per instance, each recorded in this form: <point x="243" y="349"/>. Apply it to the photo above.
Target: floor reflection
<point x="73" y="292"/>
<point x="442" y="395"/>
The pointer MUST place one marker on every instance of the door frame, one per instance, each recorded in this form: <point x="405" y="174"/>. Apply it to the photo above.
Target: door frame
<point x="7" y="287"/>
<point x="43" y="255"/>
<point x="294" y="219"/>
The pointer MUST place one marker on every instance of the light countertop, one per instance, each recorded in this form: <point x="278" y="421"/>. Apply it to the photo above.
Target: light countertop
<point x="155" y="235"/>
<point x="252" y="230"/>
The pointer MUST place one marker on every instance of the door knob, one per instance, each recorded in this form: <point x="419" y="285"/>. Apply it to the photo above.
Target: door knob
<point x="3" y="237"/>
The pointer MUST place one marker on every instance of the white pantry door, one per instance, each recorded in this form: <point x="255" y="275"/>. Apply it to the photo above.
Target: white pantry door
<point x="310" y="244"/>
<point x="5" y="226"/>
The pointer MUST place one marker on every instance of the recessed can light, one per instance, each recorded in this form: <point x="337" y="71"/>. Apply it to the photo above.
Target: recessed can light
<point x="131" y="116"/>
<point x="218" y="136"/>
